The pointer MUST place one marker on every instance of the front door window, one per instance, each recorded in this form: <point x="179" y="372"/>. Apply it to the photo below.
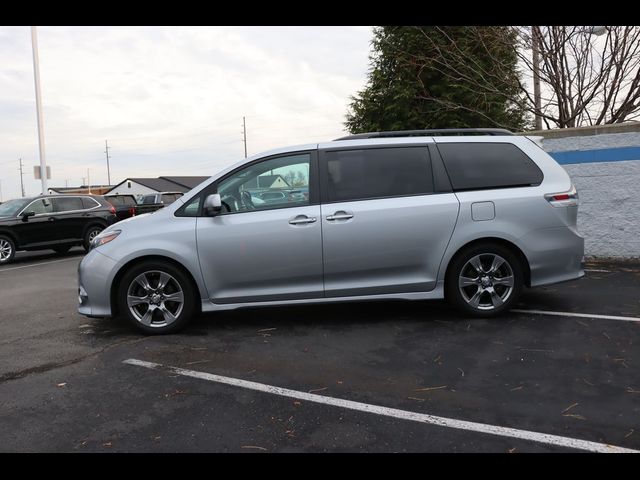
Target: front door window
<point x="40" y="206"/>
<point x="280" y="182"/>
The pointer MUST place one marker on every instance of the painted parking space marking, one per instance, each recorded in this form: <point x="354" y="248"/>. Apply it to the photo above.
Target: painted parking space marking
<point x="37" y="264"/>
<point x="545" y="438"/>
<point x="579" y="315"/>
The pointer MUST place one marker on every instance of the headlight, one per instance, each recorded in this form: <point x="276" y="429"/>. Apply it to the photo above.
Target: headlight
<point x="105" y="237"/>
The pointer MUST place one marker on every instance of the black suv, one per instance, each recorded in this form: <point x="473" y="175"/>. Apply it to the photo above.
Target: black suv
<point x="55" y="222"/>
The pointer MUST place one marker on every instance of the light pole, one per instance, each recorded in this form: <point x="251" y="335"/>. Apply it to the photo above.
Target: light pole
<point x="535" y="54"/>
<point x="36" y="76"/>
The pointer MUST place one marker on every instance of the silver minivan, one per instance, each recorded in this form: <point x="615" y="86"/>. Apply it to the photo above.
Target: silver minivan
<point x="468" y="215"/>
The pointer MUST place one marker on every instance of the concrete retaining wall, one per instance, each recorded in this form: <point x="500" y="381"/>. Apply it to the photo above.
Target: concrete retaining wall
<point x="604" y="164"/>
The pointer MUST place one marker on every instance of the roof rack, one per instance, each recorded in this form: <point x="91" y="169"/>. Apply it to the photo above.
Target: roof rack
<point x="428" y="133"/>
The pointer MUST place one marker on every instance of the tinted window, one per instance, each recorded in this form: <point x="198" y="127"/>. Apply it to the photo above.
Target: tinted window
<point x="67" y="204"/>
<point x="378" y="173"/>
<point x="149" y="199"/>
<point x="88" y="202"/>
<point x="488" y="165"/>
<point x="122" y="200"/>
<point x="168" y="198"/>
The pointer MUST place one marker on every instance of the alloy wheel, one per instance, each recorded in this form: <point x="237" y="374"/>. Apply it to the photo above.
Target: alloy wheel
<point x="155" y="298"/>
<point x="5" y="250"/>
<point x="93" y="234"/>
<point x="486" y="281"/>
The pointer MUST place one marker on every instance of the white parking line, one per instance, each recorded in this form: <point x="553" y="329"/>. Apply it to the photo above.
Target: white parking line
<point x="579" y="315"/>
<point x="595" y="270"/>
<point x="37" y="264"/>
<point x="393" y="412"/>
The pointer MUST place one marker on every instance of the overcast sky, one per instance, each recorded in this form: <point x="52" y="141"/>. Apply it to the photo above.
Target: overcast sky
<point x="170" y="100"/>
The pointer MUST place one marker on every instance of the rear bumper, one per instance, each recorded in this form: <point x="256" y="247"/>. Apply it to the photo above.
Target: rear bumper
<point x="95" y="275"/>
<point x="554" y="254"/>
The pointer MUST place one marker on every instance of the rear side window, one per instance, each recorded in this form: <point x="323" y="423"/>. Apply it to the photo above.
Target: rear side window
<point x="122" y="200"/>
<point x="149" y="199"/>
<point x="378" y="173"/>
<point x="475" y="166"/>
<point x="68" y="204"/>
<point x="168" y="198"/>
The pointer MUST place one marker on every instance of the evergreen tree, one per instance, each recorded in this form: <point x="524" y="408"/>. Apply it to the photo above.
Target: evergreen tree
<point x="421" y="77"/>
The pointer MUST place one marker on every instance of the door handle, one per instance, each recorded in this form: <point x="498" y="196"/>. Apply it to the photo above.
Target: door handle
<point x="301" y="220"/>
<point x="340" y="216"/>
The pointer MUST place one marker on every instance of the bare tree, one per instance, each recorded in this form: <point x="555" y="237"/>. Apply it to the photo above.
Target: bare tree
<point x="585" y="80"/>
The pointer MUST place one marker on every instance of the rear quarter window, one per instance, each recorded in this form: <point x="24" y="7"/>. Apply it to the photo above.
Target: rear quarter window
<point x="88" y="202"/>
<point x="478" y="166"/>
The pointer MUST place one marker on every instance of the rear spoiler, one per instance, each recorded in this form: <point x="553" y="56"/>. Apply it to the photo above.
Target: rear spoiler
<point x="536" y="139"/>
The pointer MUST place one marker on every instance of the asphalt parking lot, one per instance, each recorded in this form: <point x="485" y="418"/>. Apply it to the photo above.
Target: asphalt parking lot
<point x="361" y="377"/>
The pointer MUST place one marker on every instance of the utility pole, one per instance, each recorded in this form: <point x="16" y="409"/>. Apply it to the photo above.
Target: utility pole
<point x="36" y="76"/>
<point x="21" y="179"/>
<point x="244" y="135"/>
<point x="88" y="181"/>
<point x="106" y="150"/>
<point x="0" y="190"/>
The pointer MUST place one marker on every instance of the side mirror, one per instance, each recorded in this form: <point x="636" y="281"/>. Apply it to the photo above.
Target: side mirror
<point x="26" y="215"/>
<point x="212" y="204"/>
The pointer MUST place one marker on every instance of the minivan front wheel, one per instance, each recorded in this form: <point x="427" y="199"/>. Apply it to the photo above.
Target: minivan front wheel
<point x="484" y="280"/>
<point x="156" y="297"/>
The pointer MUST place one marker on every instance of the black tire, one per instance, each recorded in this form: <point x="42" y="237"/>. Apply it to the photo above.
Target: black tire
<point x="490" y="289"/>
<point x="90" y="235"/>
<point x="61" y="250"/>
<point x="159" y="324"/>
<point x="7" y="250"/>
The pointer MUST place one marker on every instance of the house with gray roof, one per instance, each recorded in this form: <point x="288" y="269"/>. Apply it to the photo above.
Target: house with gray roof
<point x="144" y="186"/>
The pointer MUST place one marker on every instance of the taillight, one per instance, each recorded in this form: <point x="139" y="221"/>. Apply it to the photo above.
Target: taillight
<point x="113" y="209"/>
<point x="132" y="211"/>
<point x="563" y="199"/>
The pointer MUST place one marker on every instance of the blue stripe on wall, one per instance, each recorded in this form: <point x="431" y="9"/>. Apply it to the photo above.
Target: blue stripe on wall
<point x="601" y="155"/>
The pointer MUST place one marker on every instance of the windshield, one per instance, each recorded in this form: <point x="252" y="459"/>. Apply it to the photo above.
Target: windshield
<point x="12" y="207"/>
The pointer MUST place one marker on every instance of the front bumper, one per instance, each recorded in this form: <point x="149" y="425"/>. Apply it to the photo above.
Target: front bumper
<point x="95" y="276"/>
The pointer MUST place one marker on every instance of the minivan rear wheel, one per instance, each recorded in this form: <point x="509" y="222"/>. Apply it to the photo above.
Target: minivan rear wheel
<point x="484" y="280"/>
<point x="156" y="297"/>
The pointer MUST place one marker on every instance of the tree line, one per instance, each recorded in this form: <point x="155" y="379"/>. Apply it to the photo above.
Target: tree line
<point x="469" y="76"/>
